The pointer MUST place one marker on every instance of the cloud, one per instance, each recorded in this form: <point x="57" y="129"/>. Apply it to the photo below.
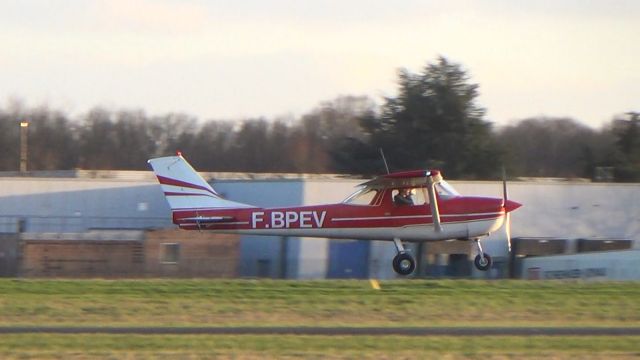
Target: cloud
<point x="574" y="58"/>
<point x="145" y="16"/>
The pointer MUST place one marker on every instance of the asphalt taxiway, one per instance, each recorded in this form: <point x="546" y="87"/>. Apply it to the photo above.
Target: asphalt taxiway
<point x="329" y="331"/>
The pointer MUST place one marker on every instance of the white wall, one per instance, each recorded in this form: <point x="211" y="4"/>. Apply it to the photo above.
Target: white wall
<point x="610" y="265"/>
<point x="564" y="210"/>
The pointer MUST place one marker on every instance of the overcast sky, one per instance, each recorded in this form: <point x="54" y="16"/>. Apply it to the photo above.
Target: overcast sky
<point x="239" y="59"/>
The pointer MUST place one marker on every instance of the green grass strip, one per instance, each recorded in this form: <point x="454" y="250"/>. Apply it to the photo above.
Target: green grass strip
<point x="317" y="303"/>
<point x="240" y="347"/>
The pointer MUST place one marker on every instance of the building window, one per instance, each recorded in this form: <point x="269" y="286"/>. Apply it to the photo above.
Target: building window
<point x="169" y="253"/>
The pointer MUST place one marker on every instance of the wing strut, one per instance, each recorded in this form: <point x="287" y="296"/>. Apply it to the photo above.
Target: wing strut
<point x="433" y="203"/>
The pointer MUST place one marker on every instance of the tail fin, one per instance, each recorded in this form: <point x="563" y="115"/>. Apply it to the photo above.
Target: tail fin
<point x="184" y="188"/>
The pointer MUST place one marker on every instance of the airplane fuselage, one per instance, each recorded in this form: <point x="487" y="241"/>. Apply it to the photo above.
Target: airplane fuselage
<point x="461" y="217"/>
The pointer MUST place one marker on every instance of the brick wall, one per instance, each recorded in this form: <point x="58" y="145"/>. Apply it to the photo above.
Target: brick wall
<point x="181" y="253"/>
<point x="158" y="253"/>
<point x="81" y="258"/>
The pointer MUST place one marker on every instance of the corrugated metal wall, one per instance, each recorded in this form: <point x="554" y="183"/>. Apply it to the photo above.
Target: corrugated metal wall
<point x="75" y="205"/>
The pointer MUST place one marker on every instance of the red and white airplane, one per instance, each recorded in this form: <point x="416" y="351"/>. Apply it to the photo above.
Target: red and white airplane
<point x="411" y="206"/>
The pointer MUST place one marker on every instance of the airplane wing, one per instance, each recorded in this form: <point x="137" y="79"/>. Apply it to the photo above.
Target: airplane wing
<point x="416" y="178"/>
<point x="413" y="179"/>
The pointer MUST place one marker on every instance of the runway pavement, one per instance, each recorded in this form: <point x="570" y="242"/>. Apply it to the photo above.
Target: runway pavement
<point x="331" y="331"/>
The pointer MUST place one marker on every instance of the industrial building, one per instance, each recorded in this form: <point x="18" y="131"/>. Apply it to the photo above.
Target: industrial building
<point x="120" y="253"/>
<point x="96" y="217"/>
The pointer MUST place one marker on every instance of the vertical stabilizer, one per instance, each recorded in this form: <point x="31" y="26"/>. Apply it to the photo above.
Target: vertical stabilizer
<point x="184" y="188"/>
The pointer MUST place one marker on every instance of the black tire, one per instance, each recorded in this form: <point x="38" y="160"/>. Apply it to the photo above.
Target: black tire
<point x="404" y="264"/>
<point x="483" y="263"/>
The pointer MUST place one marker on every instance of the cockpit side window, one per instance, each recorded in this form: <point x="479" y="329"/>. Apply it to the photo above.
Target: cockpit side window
<point x="403" y="197"/>
<point x="417" y="196"/>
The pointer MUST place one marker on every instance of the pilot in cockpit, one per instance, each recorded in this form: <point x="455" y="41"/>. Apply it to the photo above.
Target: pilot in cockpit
<point x="403" y="197"/>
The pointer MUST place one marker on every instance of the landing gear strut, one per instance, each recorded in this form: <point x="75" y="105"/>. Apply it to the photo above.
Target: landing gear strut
<point x="403" y="262"/>
<point x="483" y="260"/>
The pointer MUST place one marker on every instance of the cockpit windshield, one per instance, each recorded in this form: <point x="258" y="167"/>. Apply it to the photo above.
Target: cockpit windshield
<point x="363" y="196"/>
<point x="445" y="190"/>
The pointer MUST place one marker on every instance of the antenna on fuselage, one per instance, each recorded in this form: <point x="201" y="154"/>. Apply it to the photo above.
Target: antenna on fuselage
<point x="384" y="160"/>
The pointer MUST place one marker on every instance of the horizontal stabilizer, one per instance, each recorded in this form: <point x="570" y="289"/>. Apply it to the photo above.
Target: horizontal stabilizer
<point x="208" y="219"/>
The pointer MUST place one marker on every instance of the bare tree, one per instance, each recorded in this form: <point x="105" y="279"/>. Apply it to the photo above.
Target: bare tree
<point x="549" y="147"/>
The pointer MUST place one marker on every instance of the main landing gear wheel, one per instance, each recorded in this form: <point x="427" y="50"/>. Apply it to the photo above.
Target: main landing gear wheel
<point x="483" y="262"/>
<point x="404" y="264"/>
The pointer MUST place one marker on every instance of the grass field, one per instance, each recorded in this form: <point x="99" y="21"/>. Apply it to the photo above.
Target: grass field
<point x="313" y="347"/>
<point x="315" y="303"/>
<point x="318" y="303"/>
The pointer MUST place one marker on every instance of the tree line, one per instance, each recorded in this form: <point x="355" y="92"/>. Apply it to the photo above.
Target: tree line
<point x="434" y="121"/>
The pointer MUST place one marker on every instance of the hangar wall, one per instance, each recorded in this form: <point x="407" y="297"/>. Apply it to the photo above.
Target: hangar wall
<point x="564" y="209"/>
<point x="133" y="200"/>
<point x="77" y="204"/>
<point x="266" y="256"/>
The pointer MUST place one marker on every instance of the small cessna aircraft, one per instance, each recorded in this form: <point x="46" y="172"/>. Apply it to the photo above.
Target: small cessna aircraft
<point x="409" y="206"/>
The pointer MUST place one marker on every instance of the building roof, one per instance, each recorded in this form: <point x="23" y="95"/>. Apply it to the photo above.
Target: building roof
<point x="135" y="175"/>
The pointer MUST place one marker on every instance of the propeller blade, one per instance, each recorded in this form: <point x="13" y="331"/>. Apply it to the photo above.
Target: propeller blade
<point x="507" y="225"/>
<point x="507" y="229"/>
<point x="504" y="186"/>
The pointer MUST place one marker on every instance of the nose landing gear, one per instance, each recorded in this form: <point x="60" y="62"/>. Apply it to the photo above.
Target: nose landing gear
<point x="483" y="260"/>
